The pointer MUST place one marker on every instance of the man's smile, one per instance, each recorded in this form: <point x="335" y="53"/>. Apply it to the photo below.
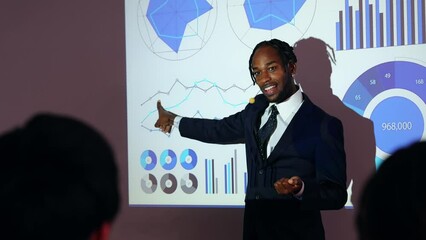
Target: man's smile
<point x="269" y="89"/>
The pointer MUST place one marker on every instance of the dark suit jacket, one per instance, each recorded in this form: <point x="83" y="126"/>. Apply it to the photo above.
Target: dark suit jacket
<point x="312" y="148"/>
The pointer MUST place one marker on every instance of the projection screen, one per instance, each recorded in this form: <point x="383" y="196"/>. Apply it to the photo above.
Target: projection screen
<point x="193" y="56"/>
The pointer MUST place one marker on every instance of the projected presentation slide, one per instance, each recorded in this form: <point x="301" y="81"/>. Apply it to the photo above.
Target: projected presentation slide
<point x="193" y="56"/>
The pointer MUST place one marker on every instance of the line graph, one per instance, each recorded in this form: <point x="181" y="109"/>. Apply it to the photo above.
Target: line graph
<point x="203" y="86"/>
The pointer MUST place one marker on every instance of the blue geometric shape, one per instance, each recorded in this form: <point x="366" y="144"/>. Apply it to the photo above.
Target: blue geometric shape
<point x="358" y="96"/>
<point x="398" y="121"/>
<point x="169" y="18"/>
<point x="148" y="160"/>
<point x="271" y="14"/>
<point x="385" y="76"/>
<point x="411" y="76"/>
<point x="188" y="159"/>
<point x="168" y="159"/>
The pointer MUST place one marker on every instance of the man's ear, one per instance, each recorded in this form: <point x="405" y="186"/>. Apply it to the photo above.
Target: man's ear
<point x="292" y="68"/>
<point x="102" y="233"/>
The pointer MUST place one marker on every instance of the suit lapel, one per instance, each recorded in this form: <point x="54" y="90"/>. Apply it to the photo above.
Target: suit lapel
<point x="294" y="127"/>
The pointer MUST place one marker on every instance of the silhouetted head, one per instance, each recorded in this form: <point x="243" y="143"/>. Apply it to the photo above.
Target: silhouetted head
<point x="315" y="67"/>
<point x="393" y="203"/>
<point x="58" y="180"/>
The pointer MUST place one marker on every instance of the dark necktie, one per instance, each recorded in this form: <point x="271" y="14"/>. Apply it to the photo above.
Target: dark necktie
<point x="266" y="131"/>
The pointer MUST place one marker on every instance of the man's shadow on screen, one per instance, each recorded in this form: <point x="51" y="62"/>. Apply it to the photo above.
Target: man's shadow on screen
<point x="314" y="71"/>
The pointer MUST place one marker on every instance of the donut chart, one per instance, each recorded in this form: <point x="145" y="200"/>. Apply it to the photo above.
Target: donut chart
<point x="189" y="183"/>
<point x="168" y="159"/>
<point x="392" y="95"/>
<point x="148" y="160"/>
<point x="149" y="183"/>
<point x="188" y="159"/>
<point x="168" y="183"/>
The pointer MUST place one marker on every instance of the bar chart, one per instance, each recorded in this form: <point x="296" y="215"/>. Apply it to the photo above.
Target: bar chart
<point x="375" y="24"/>
<point x="229" y="179"/>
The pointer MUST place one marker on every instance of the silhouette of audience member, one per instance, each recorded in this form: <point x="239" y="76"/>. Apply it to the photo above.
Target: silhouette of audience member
<point x="393" y="203"/>
<point x="58" y="181"/>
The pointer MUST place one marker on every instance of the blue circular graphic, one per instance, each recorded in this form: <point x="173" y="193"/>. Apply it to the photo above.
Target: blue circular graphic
<point x="396" y="128"/>
<point x="188" y="159"/>
<point x="148" y="160"/>
<point x="168" y="159"/>
<point x="392" y="95"/>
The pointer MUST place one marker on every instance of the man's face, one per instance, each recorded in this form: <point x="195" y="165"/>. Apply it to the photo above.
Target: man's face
<point x="270" y="74"/>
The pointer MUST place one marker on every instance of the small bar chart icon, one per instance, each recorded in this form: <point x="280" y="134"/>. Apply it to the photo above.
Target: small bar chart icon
<point x="211" y="179"/>
<point x="371" y="25"/>
<point x="230" y="170"/>
<point x="230" y="179"/>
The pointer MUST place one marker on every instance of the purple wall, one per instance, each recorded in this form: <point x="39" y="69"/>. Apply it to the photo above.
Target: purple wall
<point x="69" y="57"/>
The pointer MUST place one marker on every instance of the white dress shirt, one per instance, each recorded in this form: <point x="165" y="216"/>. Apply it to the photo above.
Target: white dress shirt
<point x="286" y="112"/>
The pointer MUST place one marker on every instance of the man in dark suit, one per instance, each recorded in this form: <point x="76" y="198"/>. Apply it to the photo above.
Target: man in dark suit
<point x="297" y="168"/>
